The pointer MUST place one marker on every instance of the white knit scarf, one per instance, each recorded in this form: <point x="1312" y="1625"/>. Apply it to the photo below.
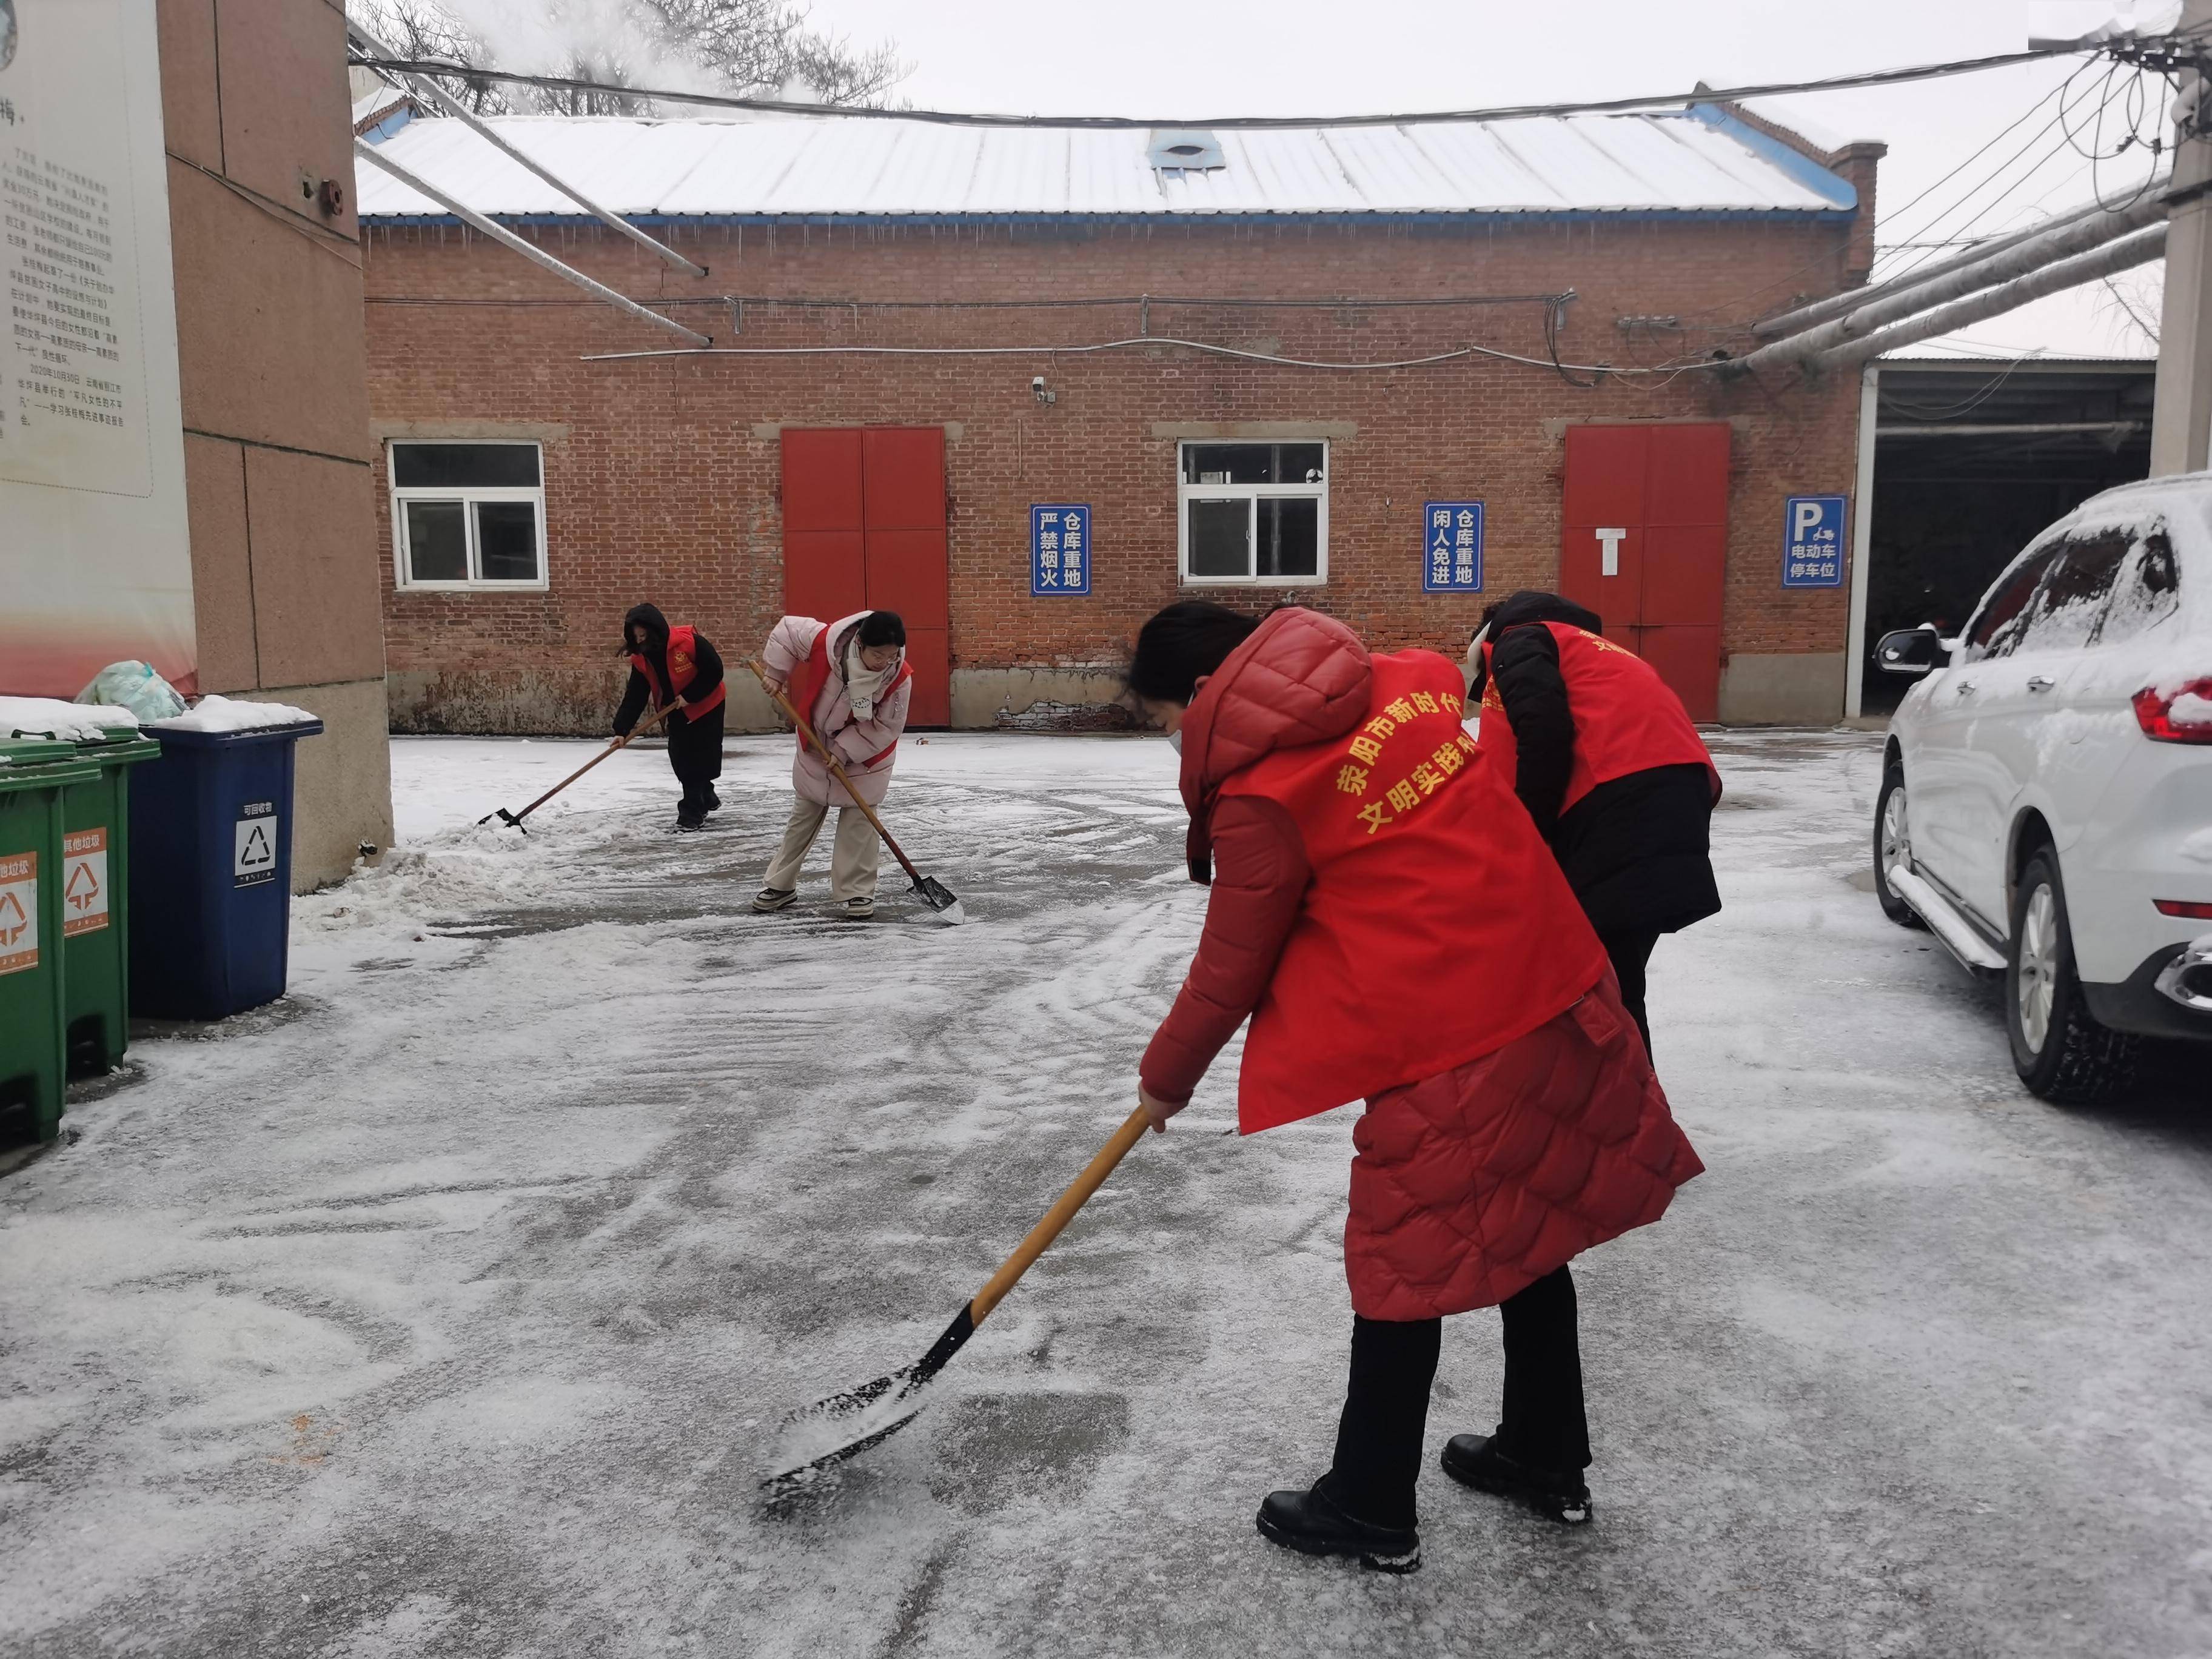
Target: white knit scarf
<point x="863" y="684"/>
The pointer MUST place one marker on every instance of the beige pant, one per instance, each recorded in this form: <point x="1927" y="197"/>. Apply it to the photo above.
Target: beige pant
<point x="852" y="860"/>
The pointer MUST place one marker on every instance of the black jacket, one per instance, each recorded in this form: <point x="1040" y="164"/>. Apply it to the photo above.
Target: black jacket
<point x="1636" y="850"/>
<point x="706" y="668"/>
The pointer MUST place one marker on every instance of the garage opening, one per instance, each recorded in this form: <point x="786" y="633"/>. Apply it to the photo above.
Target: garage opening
<point x="1971" y="460"/>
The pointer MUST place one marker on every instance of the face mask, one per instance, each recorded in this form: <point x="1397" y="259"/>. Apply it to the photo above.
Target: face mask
<point x="1175" y="741"/>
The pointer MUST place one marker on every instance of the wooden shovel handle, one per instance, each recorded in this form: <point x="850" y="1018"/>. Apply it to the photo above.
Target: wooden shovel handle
<point x="636" y="730"/>
<point x="829" y="760"/>
<point x="1092" y="1178"/>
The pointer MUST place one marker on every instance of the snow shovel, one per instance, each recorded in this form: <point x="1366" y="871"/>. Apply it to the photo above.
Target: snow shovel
<point x="516" y="819"/>
<point x="933" y="892"/>
<point x="833" y="1430"/>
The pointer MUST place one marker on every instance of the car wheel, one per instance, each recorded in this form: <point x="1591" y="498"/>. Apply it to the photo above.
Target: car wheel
<point x="1893" y="846"/>
<point x="2059" y="1049"/>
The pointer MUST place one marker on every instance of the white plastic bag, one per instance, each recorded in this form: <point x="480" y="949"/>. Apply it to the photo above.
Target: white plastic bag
<point x="136" y="687"/>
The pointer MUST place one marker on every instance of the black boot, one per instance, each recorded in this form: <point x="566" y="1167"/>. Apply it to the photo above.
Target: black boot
<point x="1560" y="1495"/>
<point x="714" y="801"/>
<point x="1309" y="1522"/>
<point x="691" y="812"/>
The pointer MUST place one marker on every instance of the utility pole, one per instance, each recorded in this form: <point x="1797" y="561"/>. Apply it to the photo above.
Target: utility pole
<point x="2181" y="419"/>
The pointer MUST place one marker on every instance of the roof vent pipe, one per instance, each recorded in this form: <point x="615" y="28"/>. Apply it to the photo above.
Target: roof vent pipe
<point x="1173" y="150"/>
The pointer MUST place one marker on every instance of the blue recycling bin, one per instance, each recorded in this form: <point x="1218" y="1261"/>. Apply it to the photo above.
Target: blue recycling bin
<point x="211" y="871"/>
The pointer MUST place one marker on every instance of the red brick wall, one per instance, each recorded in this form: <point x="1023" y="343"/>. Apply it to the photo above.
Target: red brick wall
<point x="661" y="474"/>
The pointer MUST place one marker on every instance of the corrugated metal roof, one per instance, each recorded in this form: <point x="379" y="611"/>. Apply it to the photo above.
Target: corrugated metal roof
<point x="1699" y="161"/>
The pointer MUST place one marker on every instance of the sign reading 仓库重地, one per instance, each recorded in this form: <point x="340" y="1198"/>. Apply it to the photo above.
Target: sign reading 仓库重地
<point x="1812" y="540"/>
<point x="1060" y="551"/>
<point x="1451" y="539"/>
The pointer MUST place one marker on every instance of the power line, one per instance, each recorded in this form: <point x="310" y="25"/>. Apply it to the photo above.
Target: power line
<point x="1256" y="122"/>
<point x="1139" y="342"/>
<point x="2060" y="120"/>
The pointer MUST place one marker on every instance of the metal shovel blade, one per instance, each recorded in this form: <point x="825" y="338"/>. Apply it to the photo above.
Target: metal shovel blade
<point x="844" y="1425"/>
<point x="939" y="898"/>
<point x="831" y="1431"/>
<point x="504" y="817"/>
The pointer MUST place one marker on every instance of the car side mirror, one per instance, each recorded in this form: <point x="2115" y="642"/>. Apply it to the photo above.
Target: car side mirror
<point x="1911" y="650"/>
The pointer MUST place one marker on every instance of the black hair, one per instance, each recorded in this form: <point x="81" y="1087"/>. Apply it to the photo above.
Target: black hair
<point x="883" y="628"/>
<point x="1530" y="605"/>
<point x="648" y="617"/>
<point x="1180" y="645"/>
<point x="1533" y="605"/>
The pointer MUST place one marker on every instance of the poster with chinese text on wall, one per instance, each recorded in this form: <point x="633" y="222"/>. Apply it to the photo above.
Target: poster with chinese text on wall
<point x="95" y="562"/>
<point x="1452" y="540"/>
<point x="1060" y="551"/>
<point x="1813" y="542"/>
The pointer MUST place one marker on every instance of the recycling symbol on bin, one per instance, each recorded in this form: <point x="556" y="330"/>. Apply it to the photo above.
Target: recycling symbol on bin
<point x="83" y="887"/>
<point x="13" y="922"/>
<point x="256" y="849"/>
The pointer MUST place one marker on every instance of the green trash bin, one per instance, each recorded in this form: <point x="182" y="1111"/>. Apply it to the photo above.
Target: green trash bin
<point x="35" y="774"/>
<point x="95" y="901"/>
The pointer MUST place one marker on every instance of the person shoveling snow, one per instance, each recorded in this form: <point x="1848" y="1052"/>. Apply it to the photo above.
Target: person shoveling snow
<point x="682" y="674"/>
<point x="1390" y="920"/>
<point x="850" y="681"/>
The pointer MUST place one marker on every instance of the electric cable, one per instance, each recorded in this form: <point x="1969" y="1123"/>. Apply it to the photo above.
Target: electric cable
<point x="1937" y="220"/>
<point x="1743" y="300"/>
<point x="1137" y="341"/>
<point x="1252" y="123"/>
<point x="1920" y="412"/>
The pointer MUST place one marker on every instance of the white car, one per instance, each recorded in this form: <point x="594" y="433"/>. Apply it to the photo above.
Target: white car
<point x="2046" y="793"/>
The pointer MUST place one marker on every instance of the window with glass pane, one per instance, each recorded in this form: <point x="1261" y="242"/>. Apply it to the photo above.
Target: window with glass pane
<point x="1992" y="631"/>
<point x="469" y="514"/>
<point x="1254" y="513"/>
<point x="437" y="541"/>
<point x="2067" y="607"/>
<point x="2147" y="593"/>
<point x="1221" y="537"/>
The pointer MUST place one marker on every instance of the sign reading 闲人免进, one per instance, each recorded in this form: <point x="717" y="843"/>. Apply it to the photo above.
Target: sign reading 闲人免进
<point x="1813" y="542"/>
<point x="1060" y="551"/>
<point x="1451" y="542"/>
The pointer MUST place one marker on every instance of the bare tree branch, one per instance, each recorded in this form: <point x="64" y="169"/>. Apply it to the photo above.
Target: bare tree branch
<point x="757" y="47"/>
<point x="420" y="29"/>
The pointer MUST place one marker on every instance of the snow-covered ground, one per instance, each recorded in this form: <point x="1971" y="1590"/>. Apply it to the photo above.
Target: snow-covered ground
<point x="447" y="1307"/>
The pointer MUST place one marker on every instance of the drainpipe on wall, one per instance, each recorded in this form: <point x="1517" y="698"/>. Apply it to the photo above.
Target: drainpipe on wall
<point x="1862" y="540"/>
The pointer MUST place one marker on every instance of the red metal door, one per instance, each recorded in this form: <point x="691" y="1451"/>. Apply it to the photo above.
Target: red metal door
<point x="1659" y="496"/>
<point x="864" y="528"/>
<point x="823" y="572"/>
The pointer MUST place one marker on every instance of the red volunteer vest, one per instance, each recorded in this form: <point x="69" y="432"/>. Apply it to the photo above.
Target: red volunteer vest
<point x="816" y="675"/>
<point x="1626" y="718"/>
<point x="683" y="669"/>
<point x="1436" y="928"/>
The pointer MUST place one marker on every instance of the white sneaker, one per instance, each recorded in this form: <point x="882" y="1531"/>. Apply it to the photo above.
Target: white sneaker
<point x="857" y="909"/>
<point x="773" y="898"/>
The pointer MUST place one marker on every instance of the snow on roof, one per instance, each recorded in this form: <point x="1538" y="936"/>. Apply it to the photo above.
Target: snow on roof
<point x="1702" y="161"/>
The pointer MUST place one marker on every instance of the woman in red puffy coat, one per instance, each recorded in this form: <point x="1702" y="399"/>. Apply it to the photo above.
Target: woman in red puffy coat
<point x="1385" y="913"/>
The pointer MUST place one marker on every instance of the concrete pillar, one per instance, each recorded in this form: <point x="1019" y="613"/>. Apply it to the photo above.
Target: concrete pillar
<point x="2181" y="419"/>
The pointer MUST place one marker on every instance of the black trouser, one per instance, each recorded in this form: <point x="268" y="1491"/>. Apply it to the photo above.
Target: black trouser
<point x="1630" y="953"/>
<point x="1386" y="1404"/>
<point x="694" y="753"/>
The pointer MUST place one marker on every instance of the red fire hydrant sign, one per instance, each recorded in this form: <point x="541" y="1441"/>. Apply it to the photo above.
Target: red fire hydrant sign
<point x="84" y="881"/>
<point x="19" y="912"/>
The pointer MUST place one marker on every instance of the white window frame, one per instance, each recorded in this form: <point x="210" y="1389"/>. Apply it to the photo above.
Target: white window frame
<point x="1187" y="492"/>
<point x="402" y="562"/>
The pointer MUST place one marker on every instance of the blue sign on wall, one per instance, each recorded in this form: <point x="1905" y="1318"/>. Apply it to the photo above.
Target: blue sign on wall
<point x="1451" y="539"/>
<point x="1060" y="551"/>
<point x="1813" y="542"/>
